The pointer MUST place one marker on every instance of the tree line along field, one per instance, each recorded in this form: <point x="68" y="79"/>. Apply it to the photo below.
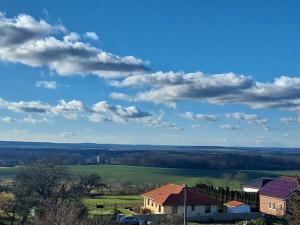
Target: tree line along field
<point x="137" y="175"/>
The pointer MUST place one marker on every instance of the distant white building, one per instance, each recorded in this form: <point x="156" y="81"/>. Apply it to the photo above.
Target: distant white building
<point x="237" y="207"/>
<point x="256" y="184"/>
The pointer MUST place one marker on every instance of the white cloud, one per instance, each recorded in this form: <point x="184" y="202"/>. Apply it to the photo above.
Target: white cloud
<point x="159" y="122"/>
<point x="46" y="84"/>
<point x="67" y="134"/>
<point x="226" y="88"/>
<point x="23" y="106"/>
<point x="290" y="120"/>
<point x="68" y="110"/>
<point x="8" y="119"/>
<point x="31" y="120"/>
<point x="260" y="138"/>
<point x="251" y="118"/>
<point x="35" y="43"/>
<point x="229" y="126"/>
<point x="99" y="112"/>
<point x="199" y="117"/>
<point x="196" y="126"/>
<point x="119" y="111"/>
<point x="71" y="37"/>
<point x="91" y="35"/>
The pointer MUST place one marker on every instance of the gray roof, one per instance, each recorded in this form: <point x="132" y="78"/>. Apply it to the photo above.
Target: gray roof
<point x="258" y="183"/>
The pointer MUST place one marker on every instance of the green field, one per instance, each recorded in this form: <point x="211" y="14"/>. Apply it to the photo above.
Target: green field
<point x="109" y="202"/>
<point x="151" y="175"/>
<point x="157" y="176"/>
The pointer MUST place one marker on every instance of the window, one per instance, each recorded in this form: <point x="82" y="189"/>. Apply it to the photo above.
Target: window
<point x="159" y="208"/>
<point x="148" y="201"/>
<point x="152" y="204"/>
<point x="193" y="207"/>
<point x="207" y="209"/>
<point x="174" y="209"/>
<point x="280" y="207"/>
<point x="270" y="205"/>
<point x="273" y="206"/>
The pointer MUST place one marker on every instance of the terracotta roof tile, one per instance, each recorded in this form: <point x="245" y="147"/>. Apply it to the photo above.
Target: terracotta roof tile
<point x="234" y="204"/>
<point x="172" y="194"/>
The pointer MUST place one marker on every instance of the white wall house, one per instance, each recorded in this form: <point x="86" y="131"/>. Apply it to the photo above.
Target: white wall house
<point x="249" y="189"/>
<point x="256" y="184"/>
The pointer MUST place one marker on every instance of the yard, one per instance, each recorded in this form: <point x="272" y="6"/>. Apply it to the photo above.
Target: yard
<point x="108" y="203"/>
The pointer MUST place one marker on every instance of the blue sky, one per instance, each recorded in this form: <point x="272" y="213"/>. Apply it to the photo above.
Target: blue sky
<point x="151" y="72"/>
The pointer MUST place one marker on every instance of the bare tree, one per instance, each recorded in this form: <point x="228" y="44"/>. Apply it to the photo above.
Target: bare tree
<point x="227" y="178"/>
<point x="241" y="177"/>
<point x="90" y="183"/>
<point x="41" y="186"/>
<point x="294" y="214"/>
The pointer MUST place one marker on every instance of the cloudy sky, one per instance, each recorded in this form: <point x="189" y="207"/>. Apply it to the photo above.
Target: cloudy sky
<point x="150" y="72"/>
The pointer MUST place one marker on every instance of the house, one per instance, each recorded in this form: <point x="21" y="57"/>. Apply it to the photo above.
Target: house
<point x="256" y="184"/>
<point x="274" y="196"/>
<point x="237" y="207"/>
<point x="169" y="199"/>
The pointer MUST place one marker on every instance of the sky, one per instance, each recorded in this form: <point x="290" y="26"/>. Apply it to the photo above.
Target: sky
<point x="175" y="72"/>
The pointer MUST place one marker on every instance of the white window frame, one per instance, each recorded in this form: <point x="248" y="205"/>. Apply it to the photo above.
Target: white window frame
<point x="270" y="205"/>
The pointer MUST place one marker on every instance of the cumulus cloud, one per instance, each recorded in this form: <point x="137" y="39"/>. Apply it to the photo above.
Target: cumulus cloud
<point x="260" y="138"/>
<point x="46" y="84"/>
<point x="24" y="28"/>
<point x="99" y="112"/>
<point x="91" y="35"/>
<point x="158" y="122"/>
<point x="229" y="126"/>
<point x="23" y="106"/>
<point x="8" y="119"/>
<point x="71" y="37"/>
<point x="119" y="111"/>
<point x="199" y="117"/>
<point x="35" y="43"/>
<point x="196" y="126"/>
<point x="32" y="120"/>
<point x="290" y="120"/>
<point x="251" y="118"/>
<point x="67" y="134"/>
<point x="226" y="88"/>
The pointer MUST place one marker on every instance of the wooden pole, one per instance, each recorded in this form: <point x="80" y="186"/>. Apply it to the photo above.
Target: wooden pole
<point x="184" y="206"/>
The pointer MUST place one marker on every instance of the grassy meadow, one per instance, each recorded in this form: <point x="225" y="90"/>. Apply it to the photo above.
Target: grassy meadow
<point x="109" y="203"/>
<point x="156" y="176"/>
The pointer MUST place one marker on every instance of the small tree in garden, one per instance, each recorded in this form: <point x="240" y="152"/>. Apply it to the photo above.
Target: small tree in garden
<point x="90" y="183"/>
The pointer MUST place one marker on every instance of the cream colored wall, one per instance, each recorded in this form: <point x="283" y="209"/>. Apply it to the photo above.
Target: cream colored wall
<point x="199" y="209"/>
<point x="154" y="207"/>
<point x="264" y="205"/>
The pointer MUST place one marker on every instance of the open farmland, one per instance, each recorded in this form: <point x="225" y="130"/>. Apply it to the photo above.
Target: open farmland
<point x="156" y="176"/>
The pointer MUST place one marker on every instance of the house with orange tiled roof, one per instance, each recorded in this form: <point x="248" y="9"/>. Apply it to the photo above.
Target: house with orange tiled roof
<point x="237" y="207"/>
<point x="169" y="199"/>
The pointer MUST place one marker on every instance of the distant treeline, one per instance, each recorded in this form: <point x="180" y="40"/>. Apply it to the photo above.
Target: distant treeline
<point x="224" y="195"/>
<point x="155" y="158"/>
